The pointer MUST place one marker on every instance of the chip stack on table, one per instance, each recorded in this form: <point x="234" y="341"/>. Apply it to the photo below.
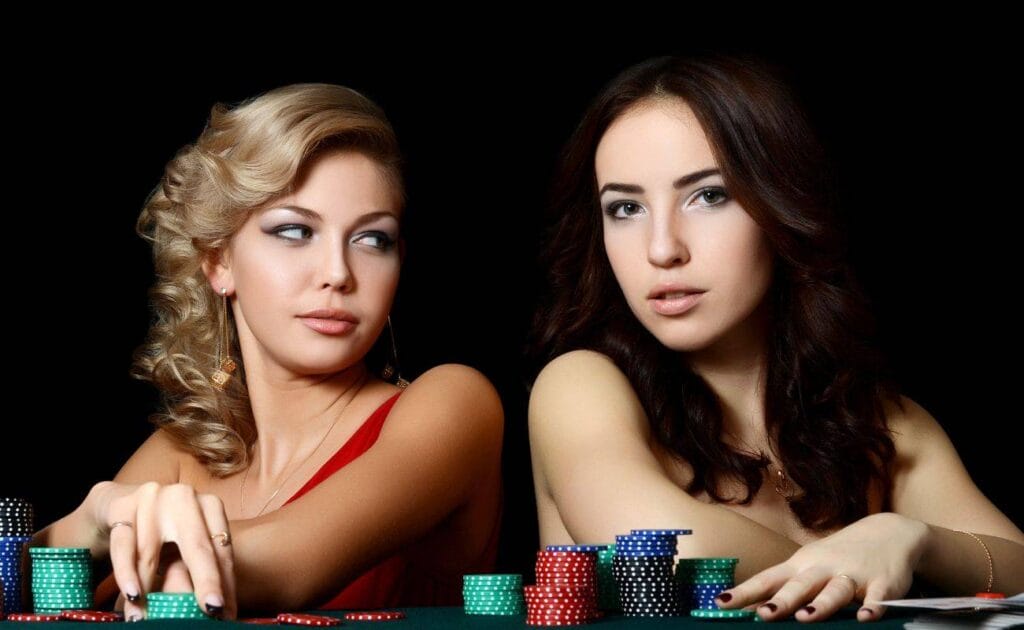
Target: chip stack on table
<point x="642" y="566"/>
<point x="607" y="588"/>
<point x="173" y="606"/>
<point x="61" y="579"/>
<point x="701" y="580"/>
<point x="566" y="589"/>
<point x="493" y="594"/>
<point x="16" y="526"/>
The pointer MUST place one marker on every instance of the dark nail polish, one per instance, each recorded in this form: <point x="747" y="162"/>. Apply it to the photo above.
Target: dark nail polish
<point x="132" y="597"/>
<point x="725" y="596"/>
<point x="770" y="606"/>
<point x="134" y="618"/>
<point x="809" y="610"/>
<point x="214" y="610"/>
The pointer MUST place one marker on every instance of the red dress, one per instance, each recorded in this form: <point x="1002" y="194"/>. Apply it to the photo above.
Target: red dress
<point x="394" y="581"/>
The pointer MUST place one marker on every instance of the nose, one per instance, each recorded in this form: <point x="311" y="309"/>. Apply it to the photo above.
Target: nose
<point x="334" y="267"/>
<point x="666" y="246"/>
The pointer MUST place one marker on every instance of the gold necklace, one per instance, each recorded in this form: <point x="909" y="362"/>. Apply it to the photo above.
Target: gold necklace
<point x="245" y="477"/>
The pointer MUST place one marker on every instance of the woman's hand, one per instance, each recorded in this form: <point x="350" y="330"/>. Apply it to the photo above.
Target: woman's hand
<point x="142" y="519"/>
<point x="870" y="560"/>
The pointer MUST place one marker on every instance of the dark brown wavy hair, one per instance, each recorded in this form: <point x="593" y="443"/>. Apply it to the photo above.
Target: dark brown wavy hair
<point x="827" y="382"/>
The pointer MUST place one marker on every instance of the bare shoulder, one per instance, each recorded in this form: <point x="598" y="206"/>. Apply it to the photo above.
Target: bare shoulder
<point x="585" y="385"/>
<point x="579" y="372"/>
<point x="159" y="458"/>
<point x="451" y="394"/>
<point x="912" y="427"/>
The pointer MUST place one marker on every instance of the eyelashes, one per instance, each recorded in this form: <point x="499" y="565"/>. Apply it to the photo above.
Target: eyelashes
<point x="613" y="209"/>
<point x="292" y="228"/>
<point x="374" y="238"/>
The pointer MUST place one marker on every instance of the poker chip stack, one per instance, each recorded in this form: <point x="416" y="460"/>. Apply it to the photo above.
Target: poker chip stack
<point x="607" y="588"/>
<point x="173" y="606"/>
<point x="493" y="594"/>
<point x="701" y="580"/>
<point x="61" y="579"/>
<point x="566" y="590"/>
<point x="642" y="567"/>
<point x="16" y="526"/>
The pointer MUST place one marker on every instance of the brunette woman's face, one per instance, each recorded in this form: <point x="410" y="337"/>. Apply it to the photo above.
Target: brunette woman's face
<point x="332" y="244"/>
<point x="693" y="266"/>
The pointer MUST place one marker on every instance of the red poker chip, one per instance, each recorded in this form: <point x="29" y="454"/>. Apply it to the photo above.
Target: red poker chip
<point x="375" y="615"/>
<point x="32" y="617"/>
<point x="260" y="621"/>
<point x="95" y="616"/>
<point x="301" y="619"/>
<point x="988" y="595"/>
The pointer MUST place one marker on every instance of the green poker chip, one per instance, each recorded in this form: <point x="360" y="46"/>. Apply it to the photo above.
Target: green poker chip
<point x="701" y="613"/>
<point x="59" y="551"/>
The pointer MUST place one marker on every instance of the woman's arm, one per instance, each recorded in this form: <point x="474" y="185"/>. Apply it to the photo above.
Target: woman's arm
<point x="591" y="444"/>
<point x="875" y="558"/>
<point x="931" y="485"/>
<point x="442" y="439"/>
<point x="155" y="460"/>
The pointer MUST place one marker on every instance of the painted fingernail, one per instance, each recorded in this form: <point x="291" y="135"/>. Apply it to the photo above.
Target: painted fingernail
<point x="214" y="610"/>
<point x="132" y="597"/>
<point x="134" y="618"/>
<point x="725" y="596"/>
<point x="808" y="609"/>
<point x="770" y="606"/>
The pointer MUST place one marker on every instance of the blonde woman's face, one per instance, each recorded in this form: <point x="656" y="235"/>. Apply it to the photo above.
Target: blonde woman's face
<point x="693" y="266"/>
<point x="333" y="244"/>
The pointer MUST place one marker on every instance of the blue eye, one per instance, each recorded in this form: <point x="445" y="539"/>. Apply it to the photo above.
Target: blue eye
<point x="613" y="210"/>
<point x="379" y="240"/>
<point x="293" y="228"/>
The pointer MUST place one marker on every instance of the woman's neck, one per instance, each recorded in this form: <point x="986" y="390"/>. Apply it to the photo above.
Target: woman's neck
<point x="736" y="370"/>
<point x="293" y="415"/>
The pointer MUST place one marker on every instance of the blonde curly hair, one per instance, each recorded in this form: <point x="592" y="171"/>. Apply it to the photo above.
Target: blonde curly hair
<point x="246" y="157"/>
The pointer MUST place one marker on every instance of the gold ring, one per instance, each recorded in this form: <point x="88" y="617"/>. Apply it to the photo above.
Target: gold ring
<point x="111" y="527"/>
<point x="852" y="581"/>
<point x="226" y="538"/>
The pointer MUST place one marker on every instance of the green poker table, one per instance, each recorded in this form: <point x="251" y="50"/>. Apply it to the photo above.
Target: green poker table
<point x="454" y="617"/>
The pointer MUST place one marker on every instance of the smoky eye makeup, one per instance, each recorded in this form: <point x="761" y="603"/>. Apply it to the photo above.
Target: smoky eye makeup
<point x="628" y="209"/>
<point x="292" y="232"/>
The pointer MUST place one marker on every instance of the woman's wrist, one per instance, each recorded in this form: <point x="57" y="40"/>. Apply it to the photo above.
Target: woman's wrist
<point x="920" y="536"/>
<point x="93" y="512"/>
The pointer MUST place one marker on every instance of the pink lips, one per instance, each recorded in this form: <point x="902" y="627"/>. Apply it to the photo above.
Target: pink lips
<point x="328" y="326"/>
<point x="673" y="298"/>
<point x="330" y="321"/>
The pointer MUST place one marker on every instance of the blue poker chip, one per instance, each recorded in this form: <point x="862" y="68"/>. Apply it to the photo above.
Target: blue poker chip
<point x="643" y="546"/>
<point x="661" y="532"/>
<point x="707" y="588"/>
<point x="577" y="548"/>
<point x="647" y="554"/>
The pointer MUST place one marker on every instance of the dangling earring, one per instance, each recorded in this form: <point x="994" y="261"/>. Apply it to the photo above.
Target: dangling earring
<point x="221" y="377"/>
<point x="388" y="370"/>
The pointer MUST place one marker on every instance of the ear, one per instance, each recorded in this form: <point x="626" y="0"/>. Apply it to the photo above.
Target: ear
<point x="217" y="268"/>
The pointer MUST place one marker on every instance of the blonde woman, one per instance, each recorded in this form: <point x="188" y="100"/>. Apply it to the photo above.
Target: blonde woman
<point x="277" y="244"/>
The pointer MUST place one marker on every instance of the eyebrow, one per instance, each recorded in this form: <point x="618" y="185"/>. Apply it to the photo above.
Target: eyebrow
<point x="315" y="216"/>
<point x="685" y="180"/>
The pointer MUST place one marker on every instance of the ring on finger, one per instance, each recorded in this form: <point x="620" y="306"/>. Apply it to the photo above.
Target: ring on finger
<point x="111" y="526"/>
<point x="852" y="581"/>
<point x="225" y="538"/>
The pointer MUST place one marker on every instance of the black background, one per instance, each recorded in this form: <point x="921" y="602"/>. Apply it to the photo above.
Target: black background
<point x="919" y="128"/>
